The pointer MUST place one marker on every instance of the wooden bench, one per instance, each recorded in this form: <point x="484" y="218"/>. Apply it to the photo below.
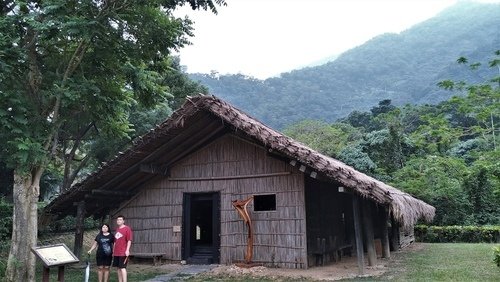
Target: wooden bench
<point x="343" y="249"/>
<point x="319" y="251"/>
<point x="155" y="256"/>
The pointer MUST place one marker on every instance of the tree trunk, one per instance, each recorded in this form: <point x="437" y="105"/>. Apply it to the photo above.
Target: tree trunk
<point x="21" y="262"/>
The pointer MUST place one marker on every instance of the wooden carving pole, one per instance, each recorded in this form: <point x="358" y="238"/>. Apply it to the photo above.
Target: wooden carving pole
<point x="241" y="207"/>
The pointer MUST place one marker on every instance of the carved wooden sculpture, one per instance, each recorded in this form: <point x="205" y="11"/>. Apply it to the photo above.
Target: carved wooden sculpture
<point x="241" y="207"/>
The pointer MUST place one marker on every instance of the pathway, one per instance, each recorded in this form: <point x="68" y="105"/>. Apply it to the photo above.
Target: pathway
<point x="183" y="273"/>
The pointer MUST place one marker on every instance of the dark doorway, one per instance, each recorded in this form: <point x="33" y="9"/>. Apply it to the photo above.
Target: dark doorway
<point x="329" y="222"/>
<point x="201" y="232"/>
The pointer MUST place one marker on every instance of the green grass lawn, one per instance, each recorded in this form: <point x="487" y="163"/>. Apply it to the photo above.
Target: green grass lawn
<point x="77" y="273"/>
<point x="443" y="262"/>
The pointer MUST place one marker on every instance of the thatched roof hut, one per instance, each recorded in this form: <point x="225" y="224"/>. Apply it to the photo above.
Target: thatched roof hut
<point x="406" y="209"/>
<point x="176" y="183"/>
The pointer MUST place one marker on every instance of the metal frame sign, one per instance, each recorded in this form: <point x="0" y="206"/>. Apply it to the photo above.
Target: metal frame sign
<point x="52" y="255"/>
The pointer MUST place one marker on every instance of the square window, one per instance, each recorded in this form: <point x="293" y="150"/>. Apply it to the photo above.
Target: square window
<point x="264" y="202"/>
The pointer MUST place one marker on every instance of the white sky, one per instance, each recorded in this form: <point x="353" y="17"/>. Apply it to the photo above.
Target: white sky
<point x="264" y="38"/>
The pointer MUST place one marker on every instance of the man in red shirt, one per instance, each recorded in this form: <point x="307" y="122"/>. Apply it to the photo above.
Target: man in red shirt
<point x="123" y="241"/>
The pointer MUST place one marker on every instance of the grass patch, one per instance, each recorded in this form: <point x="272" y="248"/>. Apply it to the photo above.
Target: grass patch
<point x="453" y="262"/>
<point x="443" y="262"/>
<point x="74" y="273"/>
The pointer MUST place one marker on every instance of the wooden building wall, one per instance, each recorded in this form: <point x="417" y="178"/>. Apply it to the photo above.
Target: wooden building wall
<point x="280" y="235"/>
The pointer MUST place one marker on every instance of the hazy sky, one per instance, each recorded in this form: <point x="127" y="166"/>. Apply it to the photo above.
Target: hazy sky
<point x="263" y="38"/>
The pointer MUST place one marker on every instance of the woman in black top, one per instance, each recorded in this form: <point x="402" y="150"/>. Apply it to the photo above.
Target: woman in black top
<point x="104" y="242"/>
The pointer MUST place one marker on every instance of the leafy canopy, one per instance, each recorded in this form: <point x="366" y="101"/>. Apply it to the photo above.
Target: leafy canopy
<point x="69" y="65"/>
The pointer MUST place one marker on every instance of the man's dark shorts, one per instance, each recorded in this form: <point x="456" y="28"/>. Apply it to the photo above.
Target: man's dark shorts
<point x="120" y="262"/>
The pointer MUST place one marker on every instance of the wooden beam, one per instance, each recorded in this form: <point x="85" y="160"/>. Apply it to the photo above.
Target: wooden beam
<point x="149" y="177"/>
<point x="111" y="193"/>
<point x="369" y="234"/>
<point x="229" y="176"/>
<point x="252" y="142"/>
<point x="101" y="198"/>
<point x="101" y="207"/>
<point x="386" y="253"/>
<point x="192" y="148"/>
<point x="357" y="233"/>
<point x="153" y="169"/>
<point x="199" y="125"/>
<point x="80" y="218"/>
<point x="205" y="138"/>
<point x="122" y="205"/>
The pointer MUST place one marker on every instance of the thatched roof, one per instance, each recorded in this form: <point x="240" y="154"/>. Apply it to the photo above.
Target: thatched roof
<point x="223" y="116"/>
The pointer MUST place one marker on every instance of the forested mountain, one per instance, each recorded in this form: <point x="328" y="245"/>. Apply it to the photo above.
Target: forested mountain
<point x="404" y="68"/>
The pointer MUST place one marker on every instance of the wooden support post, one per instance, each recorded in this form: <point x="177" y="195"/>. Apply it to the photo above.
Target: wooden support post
<point x="60" y="274"/>
<point x="394" y="235"/>
<point x="369" y="234"/>
<point x="46" y="274"/>
<point x="357" y="234"/>
<point x="80" y="218"/>
<point x="386" y="253"/>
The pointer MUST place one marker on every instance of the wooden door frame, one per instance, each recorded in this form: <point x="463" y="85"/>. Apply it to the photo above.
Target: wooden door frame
<point x="186" y="221"/>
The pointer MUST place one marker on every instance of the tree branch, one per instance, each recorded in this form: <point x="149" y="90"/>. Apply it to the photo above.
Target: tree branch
<point x="68" y="158"/>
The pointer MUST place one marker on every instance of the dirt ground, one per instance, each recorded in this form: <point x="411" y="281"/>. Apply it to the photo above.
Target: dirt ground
<point x="347" y="268"/>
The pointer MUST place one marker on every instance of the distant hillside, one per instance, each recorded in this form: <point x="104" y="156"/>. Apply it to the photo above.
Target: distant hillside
<point x="402" y="67"/>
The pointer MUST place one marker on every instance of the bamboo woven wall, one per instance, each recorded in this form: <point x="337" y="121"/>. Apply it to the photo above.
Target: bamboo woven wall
<point x="280" y="235"/>
<point x="406" y="237"/>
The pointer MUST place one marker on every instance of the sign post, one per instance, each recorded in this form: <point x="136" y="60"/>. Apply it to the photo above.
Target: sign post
<point x="54" y="255"/>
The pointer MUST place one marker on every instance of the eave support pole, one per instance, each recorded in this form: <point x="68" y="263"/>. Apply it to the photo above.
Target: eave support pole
<point x="80" y="218"/>
<point x="357" y="234"/>
<point x="386" y="252"/>
<point x="395" y="235"/>
<point x="369" y="234"/>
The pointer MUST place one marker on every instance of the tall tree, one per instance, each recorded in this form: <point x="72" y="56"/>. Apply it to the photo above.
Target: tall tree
<point x="99" y="146"/>
<point x="324" y="138"/>
<point x="67" y="67"/>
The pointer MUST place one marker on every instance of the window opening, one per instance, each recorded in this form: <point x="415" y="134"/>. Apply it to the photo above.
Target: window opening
<point x="264" y="202"/>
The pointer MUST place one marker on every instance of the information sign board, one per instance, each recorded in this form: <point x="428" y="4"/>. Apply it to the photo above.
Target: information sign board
<point x="52" y="255"/>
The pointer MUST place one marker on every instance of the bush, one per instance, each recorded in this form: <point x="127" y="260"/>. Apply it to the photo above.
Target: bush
<point x="496" y="255"/>
<point x="67" y="224"/>
<point x="456" y="234"/>
<point x="5" y="220"/>
<point x="3" y="267"/>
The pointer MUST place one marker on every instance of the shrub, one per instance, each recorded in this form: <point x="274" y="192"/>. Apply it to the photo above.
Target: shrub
<point x="455" y="234"/>
<point x="5" y="220"/>
<point x="2" y="267"/>
<point x="67" y="224"/>
<point x="496" y="255"/>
